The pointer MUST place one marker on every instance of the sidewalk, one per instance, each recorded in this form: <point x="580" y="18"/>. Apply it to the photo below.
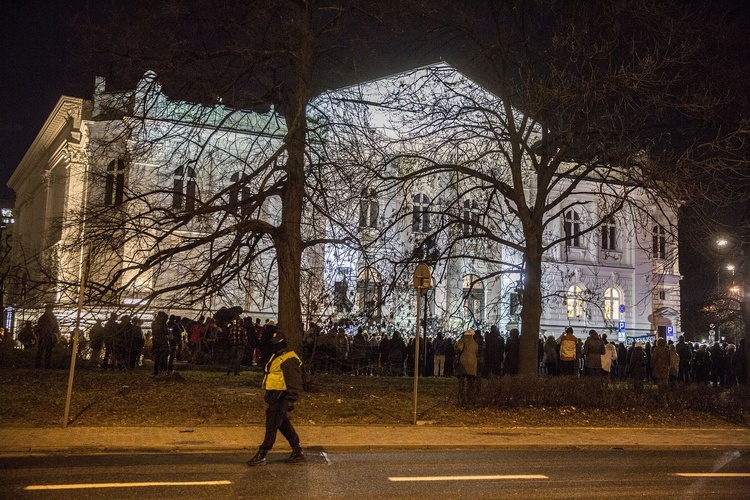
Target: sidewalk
<point x="21" y="441"/>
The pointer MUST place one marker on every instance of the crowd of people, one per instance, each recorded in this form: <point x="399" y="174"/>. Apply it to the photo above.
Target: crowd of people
<point x="344" y="347"/>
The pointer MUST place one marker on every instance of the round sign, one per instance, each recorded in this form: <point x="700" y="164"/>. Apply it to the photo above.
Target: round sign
<point x="622" y="308"/>
<point x="422" y="278"/>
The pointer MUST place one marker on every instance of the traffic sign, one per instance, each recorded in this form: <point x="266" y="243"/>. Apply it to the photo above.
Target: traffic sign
<point x="622" y="308"/>
<point x="670" y="331"/>
<point x="620" y="326"/>
<point x="422" y="278"/>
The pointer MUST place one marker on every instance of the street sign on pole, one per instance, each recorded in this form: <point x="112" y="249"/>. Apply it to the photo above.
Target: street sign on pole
<point x="422" y="282"/>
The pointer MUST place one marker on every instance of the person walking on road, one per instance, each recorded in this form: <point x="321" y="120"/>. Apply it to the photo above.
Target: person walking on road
<point x="282" y="382"/>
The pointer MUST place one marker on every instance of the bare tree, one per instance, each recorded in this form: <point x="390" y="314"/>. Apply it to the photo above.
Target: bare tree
<point x="584" y="112"/>
<point x="186" y="228"/>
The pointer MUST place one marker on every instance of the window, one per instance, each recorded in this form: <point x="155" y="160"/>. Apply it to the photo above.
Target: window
<point x="240" y="193"/>
<point x="574" y="302"/>
<point x="515" y="303"/>
<point x="609" y="235"/>
<point x="612" y="304"/>
<point x="420" y="214"/>
<point x="368" y="209"/>
<point x="659" y="242"/>
<point x="369" y="293"/>
<point x="572" y="229"/>
<point x="662" y="295"/>
<point x="471" y="217"/>
<point x="114" y="185"/>
<point x="473" y="298"/>
<point x="183" y="193"/>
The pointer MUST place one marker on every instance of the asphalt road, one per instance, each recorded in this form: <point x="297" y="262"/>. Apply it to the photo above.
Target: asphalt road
<point x="466" y="475"/>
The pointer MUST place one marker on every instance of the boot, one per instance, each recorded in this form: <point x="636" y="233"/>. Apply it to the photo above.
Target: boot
<point x="297" y="456"/>
<point x="258" y="459"/>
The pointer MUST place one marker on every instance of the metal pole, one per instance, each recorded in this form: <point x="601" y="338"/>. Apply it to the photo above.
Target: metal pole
<point x="424" y="338"/>
<point x="416" y="355"/>
<point x="76" y="333"/>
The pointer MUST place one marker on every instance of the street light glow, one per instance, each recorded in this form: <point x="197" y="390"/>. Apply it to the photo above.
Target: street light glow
<point x="722" y="242"/>
<point x="730" y="267"/>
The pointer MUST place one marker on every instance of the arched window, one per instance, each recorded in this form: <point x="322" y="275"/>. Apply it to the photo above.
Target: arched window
<point x="368" y="209"/>
<point x="572" y="229"/>
<point x="659" y="242"/>
<point x="420" y="215"/>
<point x="184" y="190"/>
<point x="609" y="235"/>
<point x="471" y="217"/>
<point x="473" y="298"/>
<point x="612" y="304"/>
<point x="369" y="293"/>
<point x="114" y="185"/>
<point x="574" y="301"/>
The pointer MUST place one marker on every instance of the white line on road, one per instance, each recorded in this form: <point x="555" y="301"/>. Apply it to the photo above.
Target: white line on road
<point x="465" y="478"/>
<point x="712" y="474"/>
<point x="123" y="485"/>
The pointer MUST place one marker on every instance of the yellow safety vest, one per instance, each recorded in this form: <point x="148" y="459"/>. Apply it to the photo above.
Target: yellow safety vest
<point x="274" y="377"/>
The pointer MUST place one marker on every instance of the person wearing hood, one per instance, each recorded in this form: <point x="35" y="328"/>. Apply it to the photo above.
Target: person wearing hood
<point x="282" y="382"/>
<point x="637" y="367"/>
<point x="660" y="363"/>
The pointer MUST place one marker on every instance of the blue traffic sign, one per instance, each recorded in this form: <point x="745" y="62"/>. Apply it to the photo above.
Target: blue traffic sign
<point x="622" y="308"/>
<point x="670" y="331"/>
<point x="620" y="326"/>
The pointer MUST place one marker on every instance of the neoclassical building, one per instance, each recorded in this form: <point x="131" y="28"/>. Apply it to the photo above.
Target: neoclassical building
<point x="133" y="174"/>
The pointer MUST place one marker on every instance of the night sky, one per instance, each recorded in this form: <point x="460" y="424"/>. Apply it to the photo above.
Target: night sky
<point x="37" y="69"/>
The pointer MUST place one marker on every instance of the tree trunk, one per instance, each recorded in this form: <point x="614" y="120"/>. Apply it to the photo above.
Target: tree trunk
<point x="531" y="312"/>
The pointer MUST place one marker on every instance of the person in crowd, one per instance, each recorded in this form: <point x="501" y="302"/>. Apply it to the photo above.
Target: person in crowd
<point x="730" y="376"/>
<point x="550" y="356"/>
<point x="160" y="343"/>
<point x="385" y="352"/>
<point x="702" y="365"/>
<point x="685" y="352"/>
<point x="466" y="369"/>
<point x="237" y="339"/>
<point x="266" y="347"/>
<point x="197" y="331"/>
<point x="622" y="361"/>
<point x="660" y="364"/>
<point x="373" y="348"/>
<point x="396" y="354"/>
<point x="647" y="349"/>
<point x="739" y="363"/>
<point x="137" y="342"/>
<point x="609" y="358"/>
<point x="568" y="343"/>
<point x="494" y="352"/>
<point x="674" y="365"/>
<point x="438" y="348"/>
<point x="26" y="336"/>
<point x="110" y="332"/>
<point x="175" y="331"/>
<point x="512" y="352"/>
<point x="48" y="335"/>
<point x="637" y="367"/>
<point x="593" y="349"/>
<point x="717" y="364"/>
<point x="97" y="334"/>
<point x="481" y="352"/>
<point x="282" y="383"/>
<point x="341" y="346"/>
<point x="358" y="353"/>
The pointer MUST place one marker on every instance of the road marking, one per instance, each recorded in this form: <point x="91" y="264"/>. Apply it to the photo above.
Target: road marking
<point x="83" y="486"/>
<point x="712" y="474"/>
<point x="466" y="478"/>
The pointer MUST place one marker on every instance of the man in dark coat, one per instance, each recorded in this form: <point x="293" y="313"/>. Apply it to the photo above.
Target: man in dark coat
<point x="512" y="349"/>
<point x="48" y="335"/>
